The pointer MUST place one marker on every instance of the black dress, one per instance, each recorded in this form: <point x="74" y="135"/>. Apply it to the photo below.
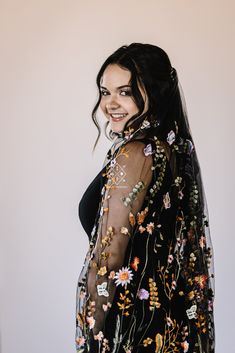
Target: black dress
<point x="133" y="293"/>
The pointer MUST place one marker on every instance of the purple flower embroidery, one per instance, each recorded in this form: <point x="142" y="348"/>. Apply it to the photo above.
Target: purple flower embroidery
<point x="190" y="146"/>
<point x="143" y="294"/>
<point x="148" y="150"/>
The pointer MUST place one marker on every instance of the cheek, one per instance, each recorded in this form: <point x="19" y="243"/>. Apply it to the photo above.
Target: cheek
<point x="133" y="107"/>
<point x="102" y="106"/>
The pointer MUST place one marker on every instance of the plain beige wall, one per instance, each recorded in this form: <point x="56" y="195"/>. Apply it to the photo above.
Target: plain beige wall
<point x="50" y="53"/>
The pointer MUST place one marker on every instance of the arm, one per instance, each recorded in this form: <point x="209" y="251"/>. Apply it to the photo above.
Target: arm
<point x="129" y="168"/>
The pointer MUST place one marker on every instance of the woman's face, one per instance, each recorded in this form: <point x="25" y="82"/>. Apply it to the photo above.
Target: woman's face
<point x="117" y="102"/>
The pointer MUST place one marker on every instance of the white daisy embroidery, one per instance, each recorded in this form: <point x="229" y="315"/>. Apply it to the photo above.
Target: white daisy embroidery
<point x="123" y="276"/>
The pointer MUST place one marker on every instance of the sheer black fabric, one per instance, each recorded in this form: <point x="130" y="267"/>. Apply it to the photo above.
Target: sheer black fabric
<point x="147" y="280"/>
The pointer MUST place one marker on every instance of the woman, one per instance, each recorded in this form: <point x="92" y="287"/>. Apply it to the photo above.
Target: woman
<point x="147" y="279"/>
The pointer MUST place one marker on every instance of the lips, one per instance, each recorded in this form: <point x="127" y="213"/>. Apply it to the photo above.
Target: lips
<point x="117" y="116"/>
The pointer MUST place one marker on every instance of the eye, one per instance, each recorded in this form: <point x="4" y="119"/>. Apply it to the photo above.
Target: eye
<point x="126" y="92"/>
<point x="103" y="92"/>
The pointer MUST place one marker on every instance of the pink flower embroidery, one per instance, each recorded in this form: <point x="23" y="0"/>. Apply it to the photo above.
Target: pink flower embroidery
<point x="202" y="241"/>
<point x="169" y="321"/>
<point x="99" y="336"/>
<point x="91" y="321"/>
<point x="185" y="346"/>
<point x="150" y="227"/>
<point x="106" y="306"/>
<point x="111" y="275"/>
<point x="167" y="200"/>
<point x="80" y="341"/>
<point x="141" y="229"/>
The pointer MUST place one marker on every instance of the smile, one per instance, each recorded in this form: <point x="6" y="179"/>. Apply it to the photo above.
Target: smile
<point x="117" y="116"/>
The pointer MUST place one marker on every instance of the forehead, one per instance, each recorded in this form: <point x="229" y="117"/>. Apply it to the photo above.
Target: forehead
<point x="115" y="76"/>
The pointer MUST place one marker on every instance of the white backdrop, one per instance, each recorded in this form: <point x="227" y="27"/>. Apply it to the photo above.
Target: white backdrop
<point x="51" y="51"/>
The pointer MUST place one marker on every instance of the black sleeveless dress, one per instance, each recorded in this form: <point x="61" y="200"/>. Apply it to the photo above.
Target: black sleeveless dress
<point x="89" y="204"/>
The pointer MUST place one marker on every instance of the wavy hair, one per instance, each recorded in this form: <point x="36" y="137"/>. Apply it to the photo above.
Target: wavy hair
<point x="151" y="69"/>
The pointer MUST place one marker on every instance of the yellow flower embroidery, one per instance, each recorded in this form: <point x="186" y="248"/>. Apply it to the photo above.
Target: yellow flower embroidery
<point x="147" y="341"/>
<point x="159" y="342"/>
<point x="102" y="271"/>
<point x="153" y="295"/>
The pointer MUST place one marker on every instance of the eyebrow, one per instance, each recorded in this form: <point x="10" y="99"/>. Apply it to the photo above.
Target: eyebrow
<point x="117" y="87"/>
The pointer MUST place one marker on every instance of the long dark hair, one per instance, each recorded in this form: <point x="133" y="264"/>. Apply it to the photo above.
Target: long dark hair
<point x="150" y="67"/>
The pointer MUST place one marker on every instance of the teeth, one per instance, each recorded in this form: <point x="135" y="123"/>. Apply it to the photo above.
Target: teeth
<point x="118" y="115"/>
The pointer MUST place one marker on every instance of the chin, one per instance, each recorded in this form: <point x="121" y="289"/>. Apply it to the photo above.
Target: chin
<point x="117" y="128"/>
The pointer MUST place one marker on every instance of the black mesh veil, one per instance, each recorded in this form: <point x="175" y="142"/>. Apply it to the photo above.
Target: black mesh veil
<point x="134" y="199"/>
<point x="204" y="207"/>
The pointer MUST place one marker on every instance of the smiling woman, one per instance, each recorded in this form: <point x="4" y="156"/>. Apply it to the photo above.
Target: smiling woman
<point x="147" y="283"/>
<point x="117" y="102"/>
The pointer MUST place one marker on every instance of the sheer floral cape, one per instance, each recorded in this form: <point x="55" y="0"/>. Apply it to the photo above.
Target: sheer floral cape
<point x="147" y="283"/>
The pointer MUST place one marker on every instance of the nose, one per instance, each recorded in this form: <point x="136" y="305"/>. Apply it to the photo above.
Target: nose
<point x="111" y="103"/>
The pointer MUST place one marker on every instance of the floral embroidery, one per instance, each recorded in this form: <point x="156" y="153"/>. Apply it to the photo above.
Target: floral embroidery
<point x="148" y="150"/>
<point x="102" y="271"/>
<point x="158" y="342"/>
<point x="141" y="216"/>
<point x="123" y="276"/>
<point x="192" y="312"/>
<point x="201" y="280"/>
<point x="106" y="306"/>
<point x="124" y="231"/>
<point x="171" y="137"/>
<point x="150" y="227"/>
<point x="135" y="263"/>
<point x="111" y="275"/>
<point x="81" y="341"/>
<point x="91" y="322"/>
<point x="101" y="289"/>
<point x="132" y="219"/>
<point x="133" y="194"/>
<point x="148" y="280"/>
<point x="143" y="294"/>
<point x="167" y="200"/>
<point x="125" y="303"/>
<point x="142" y="229"/>
<point x="154" y="300"/>
<point x="99" y="336"/>
<point x="147" y="341"/>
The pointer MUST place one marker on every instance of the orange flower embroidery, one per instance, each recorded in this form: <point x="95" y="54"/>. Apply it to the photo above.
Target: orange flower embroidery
<point x="135" y="263"/>
<point x="141" y="215"/>
<point x="131" y="219"/>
